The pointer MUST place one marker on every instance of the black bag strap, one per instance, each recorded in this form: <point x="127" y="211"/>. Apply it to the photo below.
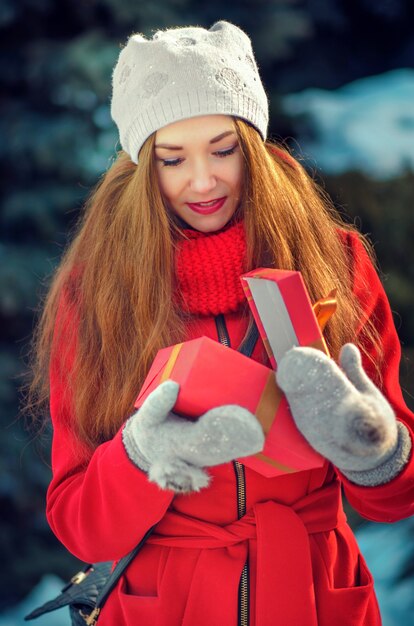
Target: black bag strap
<point x="119" y="570"/>
<point x="250" y="339"/>
<point x="75" y="591"/>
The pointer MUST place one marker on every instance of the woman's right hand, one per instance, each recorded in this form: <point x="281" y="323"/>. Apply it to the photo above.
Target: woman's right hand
<point x="174" y="450"/>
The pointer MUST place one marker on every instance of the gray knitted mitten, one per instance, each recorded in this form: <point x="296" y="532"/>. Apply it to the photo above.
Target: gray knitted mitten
<point x="343" y="415"/>
<point x="173" y="450"/>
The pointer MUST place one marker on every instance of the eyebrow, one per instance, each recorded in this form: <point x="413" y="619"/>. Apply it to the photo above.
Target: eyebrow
<point x="214" y="140"/>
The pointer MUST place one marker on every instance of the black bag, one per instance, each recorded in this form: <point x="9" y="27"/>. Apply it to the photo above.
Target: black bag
<point x="87" y="591"/>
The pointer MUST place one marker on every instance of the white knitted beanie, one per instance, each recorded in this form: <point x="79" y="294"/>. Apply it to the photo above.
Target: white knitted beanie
<point x="181" y="73"/>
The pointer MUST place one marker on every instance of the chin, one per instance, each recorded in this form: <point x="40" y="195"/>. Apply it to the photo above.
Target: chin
<point x="210" y="224"/>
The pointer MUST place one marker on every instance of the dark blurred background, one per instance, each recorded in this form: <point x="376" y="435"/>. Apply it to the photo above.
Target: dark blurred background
<point x="340" y="77"/>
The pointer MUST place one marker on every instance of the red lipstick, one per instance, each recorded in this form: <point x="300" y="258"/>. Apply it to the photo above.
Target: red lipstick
<point x="207" y="208"/>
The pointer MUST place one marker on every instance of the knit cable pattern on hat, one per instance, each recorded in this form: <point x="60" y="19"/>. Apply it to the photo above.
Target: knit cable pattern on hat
<point x="208" y="270"/>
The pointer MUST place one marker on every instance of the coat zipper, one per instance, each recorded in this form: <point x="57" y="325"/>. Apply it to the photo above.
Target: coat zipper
<point x="222" y="333"/>
<point x="243" y="613"/>
<point x="243" y="619"/>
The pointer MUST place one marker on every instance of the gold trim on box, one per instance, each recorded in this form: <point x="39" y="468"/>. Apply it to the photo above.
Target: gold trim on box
<point x="320" y="344"/>
<point x="268" y="348"/>
<point x="171" y="362"/>
<point x="280" y="466"/>
<point x="268" y="403"/>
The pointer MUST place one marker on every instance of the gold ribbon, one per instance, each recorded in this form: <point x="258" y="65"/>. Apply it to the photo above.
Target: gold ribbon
<point x="169" y="366"/>
<point x="269" y="461"/>
<point x="325" y="308"/>
<point x="265" y="412"/>
<point x="268" y="402"/>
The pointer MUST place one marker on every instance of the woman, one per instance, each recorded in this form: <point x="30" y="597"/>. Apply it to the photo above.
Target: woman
<point x="196" y="198"/>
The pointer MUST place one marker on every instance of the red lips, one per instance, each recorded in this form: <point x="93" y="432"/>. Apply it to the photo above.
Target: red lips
<point x="204" y="209"/>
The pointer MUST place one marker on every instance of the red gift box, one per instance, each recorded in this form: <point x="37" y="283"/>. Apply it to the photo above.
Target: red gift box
<point x="211" y="375"/>
<point x="284" y="313"/>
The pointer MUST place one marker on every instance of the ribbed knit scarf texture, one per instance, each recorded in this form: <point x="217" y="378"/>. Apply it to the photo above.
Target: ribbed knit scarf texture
<point x="208" y="270"/>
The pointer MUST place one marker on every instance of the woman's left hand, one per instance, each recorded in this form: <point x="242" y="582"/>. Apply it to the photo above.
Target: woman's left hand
<point x="342" y="414"/>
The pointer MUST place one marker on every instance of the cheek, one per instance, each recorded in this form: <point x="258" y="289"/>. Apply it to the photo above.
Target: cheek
<point x="235" y="177"/>
<point x="169" y="184"/>
<point x="234" y="168"/>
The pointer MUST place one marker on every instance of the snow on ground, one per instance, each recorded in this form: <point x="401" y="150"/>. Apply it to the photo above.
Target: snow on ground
<point x="367" y="124"/>
<point x="48" y="588"/>
<point x="388" y="548"/>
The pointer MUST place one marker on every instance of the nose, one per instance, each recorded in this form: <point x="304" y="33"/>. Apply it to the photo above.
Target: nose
<point x="202" y="178"/>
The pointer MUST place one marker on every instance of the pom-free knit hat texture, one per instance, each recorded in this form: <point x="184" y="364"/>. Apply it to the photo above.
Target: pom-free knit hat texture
<point x="182" y="73"/>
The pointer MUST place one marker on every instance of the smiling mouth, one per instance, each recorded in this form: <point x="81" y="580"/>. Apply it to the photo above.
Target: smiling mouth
<point x="209" y="207"/>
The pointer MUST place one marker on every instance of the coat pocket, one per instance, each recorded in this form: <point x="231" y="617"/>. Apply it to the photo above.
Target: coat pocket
<point x="350" y="606"/>
<point x="137" y="610"/>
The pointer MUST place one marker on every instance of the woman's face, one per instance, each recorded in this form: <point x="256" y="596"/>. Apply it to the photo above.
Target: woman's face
<point x="200" y="170"/>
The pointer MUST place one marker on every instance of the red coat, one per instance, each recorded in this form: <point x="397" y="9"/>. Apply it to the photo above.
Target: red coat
<point x="305" y="566"/>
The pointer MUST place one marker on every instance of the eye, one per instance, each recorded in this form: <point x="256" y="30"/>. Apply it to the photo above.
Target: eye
<point x="170" y="162"/>
<point x="224" y="153"/>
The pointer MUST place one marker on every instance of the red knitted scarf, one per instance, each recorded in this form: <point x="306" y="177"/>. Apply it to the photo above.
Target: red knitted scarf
<point x="208" y="269"/>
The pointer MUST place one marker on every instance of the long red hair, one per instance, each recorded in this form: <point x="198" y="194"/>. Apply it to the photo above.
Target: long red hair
<point x="110" y="306"/>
